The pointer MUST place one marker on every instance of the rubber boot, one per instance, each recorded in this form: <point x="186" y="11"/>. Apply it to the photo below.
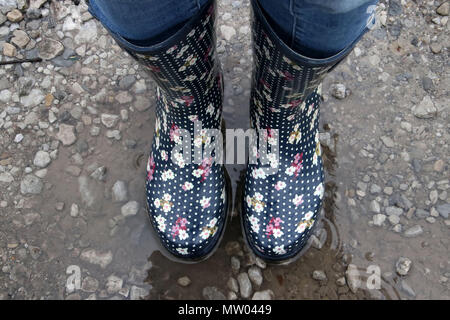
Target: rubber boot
<point x="281" y="206"/>
<point x="187" y="200"/>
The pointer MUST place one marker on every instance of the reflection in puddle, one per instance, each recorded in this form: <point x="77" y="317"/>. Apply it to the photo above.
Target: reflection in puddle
<point x="171" y="280"/>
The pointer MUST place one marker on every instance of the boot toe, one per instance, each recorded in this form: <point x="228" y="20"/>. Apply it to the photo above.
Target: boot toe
<point x="278" y="217"/>
<point x="188" y="213"/>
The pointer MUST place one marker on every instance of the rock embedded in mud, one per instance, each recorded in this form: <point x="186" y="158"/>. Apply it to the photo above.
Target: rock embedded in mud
<point x="109" y="120"/>
<point x="49" y="48"/>
<point x="14" y="15"/>
<point x="425" y="109"/>
<point x="120" y="191"/>
<point x="6" y="177"/>
<point x="353" y="278"/>
<point x="89" y="284"/>
<point x="255" y="275"/>
<point x="42" y="159"/>
<point x="444" y="210"/>
<point x="113" y="284"/>
<point x="443" y="9"/>
<point x="212" y="293"/>
<point x="66" y="134"/>
<point x="137" y="293"/>
<point x="9" y="50"/>
<point x="403" y="266"/>
<point x="319" y="275"/>
<point x="184" y="281"/>
<point x="263" y="295"/>
<point x="99" y="174"/>
<point x="102" y="259"/>
<point x="232" y="296"/>
<point x="339" y="91"/>
<point x="130" y="208"/>
<point x="413" y="231"/>
<point x="233" y="285"/>
<point x="235" y="264"/>
<point x="31" y="184"/>
<point x="378" y="220"/>
<point x="245" y="285"/>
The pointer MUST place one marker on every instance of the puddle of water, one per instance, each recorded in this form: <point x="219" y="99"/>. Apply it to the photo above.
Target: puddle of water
<point x="136" y="260"/>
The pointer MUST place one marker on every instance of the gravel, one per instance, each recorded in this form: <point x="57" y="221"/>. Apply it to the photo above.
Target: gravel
<point x="245" y="285"/>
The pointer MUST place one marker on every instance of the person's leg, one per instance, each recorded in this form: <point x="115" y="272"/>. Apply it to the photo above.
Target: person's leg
<point x="319" y="28"/>
<point x="144" y="22"/>
<point x="187" y="197"/>
<point x="296" y="43"/>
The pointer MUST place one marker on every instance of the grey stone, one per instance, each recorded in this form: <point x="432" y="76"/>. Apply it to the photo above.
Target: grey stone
<point x="42" y="159"/>
<point x="235" y="264"/>
<point x="245" y="285"/>
<point x="379" y="219"/>
<point x="184" y="281"/>
<point x="444" y="210"/>
<point x="89" y="284"/>
<point x="228" y="32"/>
<point x="395" y="8"/>
<point x="413" y="231"/>
<point x="255" y="275"/>
<point x="403" y="265"/>
<point x="319" y="275"/>
<point x="109" y="120"/>
<point x="375" y="206"/>
<point x="233" y="285"/>
<point x="443" y="9"/>
<point x="420" y="213"/>
<point x="99" y="174"/>
<point x="120" y="191"/>
<point x="126" y="82"/>
<point x="34" y="98"/>
<point x="6" y="177"/>
<point x="319" y="238"/>
<point x="141" y="104"/>
<point x="113" y="284"/>
<point x="102" y="259"/>
<point x="388" y="142"/>
<point x="352" y="277"/>
<point x="393" y="211"/>
<point x="394" y="219"/>
<point x="263" y="295"/>
<point x="66" y="134"/>
<point x="49" y="48"/>
<point x="89" y="192"/>
<point x="31" y="184"/>
<point x="33" y="14"/>
<point x="20" y="38"/>
<point x="339" y="91"/>
<point x="425" y="109"/>
<point x="137" y="293"/>
<point x="87" y="34"/>
<point x="130" y="209"/>
<point x="375" y="189"/>
<point x="212" y="293"/>
<point x="232" y="295"/>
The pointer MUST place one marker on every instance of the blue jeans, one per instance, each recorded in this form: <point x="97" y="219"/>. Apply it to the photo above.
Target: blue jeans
<point x="314" y="28"/>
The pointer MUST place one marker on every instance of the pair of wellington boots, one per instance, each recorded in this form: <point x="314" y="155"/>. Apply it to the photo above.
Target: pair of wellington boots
<point x="188" y="201"/>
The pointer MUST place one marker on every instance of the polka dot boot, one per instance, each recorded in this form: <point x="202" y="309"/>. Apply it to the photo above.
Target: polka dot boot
<point x="281" y="208"/>
<point x="187" y="200"/>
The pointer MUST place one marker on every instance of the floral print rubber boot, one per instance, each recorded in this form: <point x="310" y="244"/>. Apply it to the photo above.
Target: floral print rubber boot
<point x="281" y="208"/>
<point x="187" y="200"/>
